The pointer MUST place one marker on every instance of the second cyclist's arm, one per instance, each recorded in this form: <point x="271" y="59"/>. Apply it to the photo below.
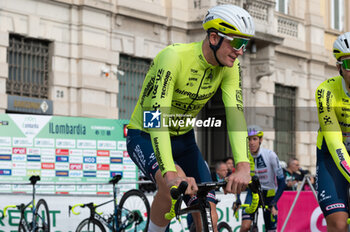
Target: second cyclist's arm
<point x="281" y="184"/>
<point x="331" y="130"/>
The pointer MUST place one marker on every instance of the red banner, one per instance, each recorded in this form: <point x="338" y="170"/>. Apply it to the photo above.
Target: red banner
<point x="306" y="215"/>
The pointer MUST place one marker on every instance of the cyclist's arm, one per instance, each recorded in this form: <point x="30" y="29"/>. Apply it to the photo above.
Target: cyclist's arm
<point x="281" y="184"/>
<point x="236" y="125"/>
<point x="331" y="130"/>
<point x="164" y="71"/>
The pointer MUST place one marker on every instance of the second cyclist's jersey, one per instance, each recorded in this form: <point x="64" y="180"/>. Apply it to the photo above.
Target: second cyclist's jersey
<point x="333" y="106"/>
<point x="177" y="86"/>
<point x="267" y="168"/>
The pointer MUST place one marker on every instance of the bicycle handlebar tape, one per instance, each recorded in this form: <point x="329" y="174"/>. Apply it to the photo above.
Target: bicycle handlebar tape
<point x="176" y="192"/>
<point x="254" y="205"/>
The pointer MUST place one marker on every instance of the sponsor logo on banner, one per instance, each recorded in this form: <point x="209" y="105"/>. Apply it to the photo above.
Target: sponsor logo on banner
<point x="129" y="168"/>
<point x="116" y="153"/>
<point x="19" y="157"/>
<point x="110" y="145"/>
<point x="62" y="166"/>
<point x="76" y="152"/>
<point x="47" y="151"/>
<point x="86" y="144"/>
<point x="75" y="166"/>
<point x="116" y="167"/>
<point x="48" y="159"/>
<point x="4" y="165"/>
<point x="33" y="151"/>
<point x="62" y="158"/>
<point x="48" y="173"/>
<point x="47" y="165"/>
<point x="125" y="130"/>
<point x="18" y="172"/>
<point x="62" y="152"/>
<point x="75" y="173"/>
<point x="89" y="174"/>
<point x="129" y="174"/>
<point x="22" y="142"/>
<point x="5" y="157"/>
<point x="89" y="166"/>
<point x="102" y="153"/>
<point x="19" y="150"/>
<point x="127" y="160"/>
<point x="89" y="152"/>
<point x="33" y="158"/>
<point x="5" y="150"/>
<point x="76" y="159"/>
<point x="116" y="160"/>
<point x="103" y="160"/>
<point x="102" y="166"/>
<point x="40" y="142"/>
<point x="116" y="173"/>
<point x="102" y="174"/>
<point x="36" y="166"/>
<point x="91" y="160"/>
<point x="33" y="172"/>
<point x="63" y="188"/>
<point x="5" y="141"/>
<point x="5" y="172"/>
<point x="121" y="145"/>
<point x="6" y="187"/>
<point x="85" y="188"/>
<point x="61" y="173"/>
<point x="65" y="143"/>
<point x="125" y="154"/>
<point x="19" y="165"/>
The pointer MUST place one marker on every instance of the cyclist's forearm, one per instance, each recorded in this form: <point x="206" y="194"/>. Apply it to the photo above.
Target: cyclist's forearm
<point x="281" y="186"/>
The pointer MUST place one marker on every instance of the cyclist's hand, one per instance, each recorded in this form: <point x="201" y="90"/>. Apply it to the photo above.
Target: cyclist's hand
<point x="172" y="178"/>
<point x="274" y="211"/>
<point x="238" y="181"/>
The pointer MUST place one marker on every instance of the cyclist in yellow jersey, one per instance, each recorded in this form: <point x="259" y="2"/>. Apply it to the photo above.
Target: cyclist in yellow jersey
<point x="181" y="79"/>
<point x="333" y="140"/>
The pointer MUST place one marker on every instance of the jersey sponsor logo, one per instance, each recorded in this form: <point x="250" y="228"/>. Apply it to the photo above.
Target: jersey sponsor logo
<point x="195" y="96"/>
<point x="157" y="153"/>
<point x="335" y="206"/>
<point x="345" y="100"/>
<point x="147" y="91"/>
<point x="260" y="163"/>
<point x="345" y="115"/>
<point x="330" y="80"/>
<point x="327" y="120"/>
<point x="186" y="106"/>
<point x="345" y="109"/>
<point x="165" y="87"/>
<point x="240" y="76"/>
<point x="343" y="162"/>
<point x="239" y="97"/>
<point x="320" y="95"/>
<point x="239" y="107"/>
<point x="151" y="119"/>
<point x="344" y="124"/>
<point x="329" y="97"/>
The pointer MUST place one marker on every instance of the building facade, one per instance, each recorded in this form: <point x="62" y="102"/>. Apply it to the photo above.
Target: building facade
<point x="87" y="58"/>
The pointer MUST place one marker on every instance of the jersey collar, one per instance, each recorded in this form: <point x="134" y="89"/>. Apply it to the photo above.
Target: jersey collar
<point x="200" y="57"/>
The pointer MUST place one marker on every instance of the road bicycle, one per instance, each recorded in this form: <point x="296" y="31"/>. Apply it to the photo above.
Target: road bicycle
<point x="202" y="205"/>
<point x="40" y="213"/>
<point x="257" y="200"/>
<point x="131" y="214"/>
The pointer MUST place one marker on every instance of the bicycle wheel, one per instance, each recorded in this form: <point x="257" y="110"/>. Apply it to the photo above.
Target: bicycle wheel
<point x="90" y="225"/>
<point x="42" y="216"/>
<point x="134" y="211"/>
<point x="224" y="227"/>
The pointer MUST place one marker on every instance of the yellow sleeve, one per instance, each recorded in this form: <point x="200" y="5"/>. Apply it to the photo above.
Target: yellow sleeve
<point x="233" y="100"/>
<point x="331" y="130"/>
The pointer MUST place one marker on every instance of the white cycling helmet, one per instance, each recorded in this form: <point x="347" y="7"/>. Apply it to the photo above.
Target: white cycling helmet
<point x="254" y="130"/>
<point x="230" y="19"/>
<point x="341" y="46"/>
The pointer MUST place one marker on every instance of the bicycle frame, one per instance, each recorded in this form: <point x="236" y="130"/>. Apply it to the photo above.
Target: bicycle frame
<point x="23" y="208"/>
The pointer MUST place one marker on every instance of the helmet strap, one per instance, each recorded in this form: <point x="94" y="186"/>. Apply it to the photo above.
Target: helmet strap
<point x="215" y="48"/>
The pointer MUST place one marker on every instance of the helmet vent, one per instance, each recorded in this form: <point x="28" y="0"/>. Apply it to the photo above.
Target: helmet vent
<point x="245" y="23"/>
<point x="228" y="26"/>
<point x="346" y="42"/>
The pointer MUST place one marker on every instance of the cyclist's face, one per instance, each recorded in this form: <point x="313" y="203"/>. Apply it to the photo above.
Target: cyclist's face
<point x="226" y="53"/>
<point x="346" y="74"/>
<point x="254" y="143"/>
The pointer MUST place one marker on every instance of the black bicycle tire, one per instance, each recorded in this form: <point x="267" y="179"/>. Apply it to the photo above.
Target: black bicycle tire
<point x="128" y="194"/>
<point x="92" y="221"/>
<point x="224" y="225"/>
<point x="47" y="214"/>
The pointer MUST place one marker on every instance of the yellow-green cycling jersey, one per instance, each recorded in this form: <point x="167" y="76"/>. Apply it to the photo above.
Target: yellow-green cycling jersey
<point x="333" y="105"/>
<point x="177" y="86"/>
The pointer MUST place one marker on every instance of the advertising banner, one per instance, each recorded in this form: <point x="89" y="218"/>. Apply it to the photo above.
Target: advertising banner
<point x="63" y="150"/>
<point x="306" y="215"/>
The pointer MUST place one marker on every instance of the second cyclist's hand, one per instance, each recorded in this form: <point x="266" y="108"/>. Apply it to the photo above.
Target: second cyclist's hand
<point x="172" y="178"/>
<point x="238" y="181"/>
